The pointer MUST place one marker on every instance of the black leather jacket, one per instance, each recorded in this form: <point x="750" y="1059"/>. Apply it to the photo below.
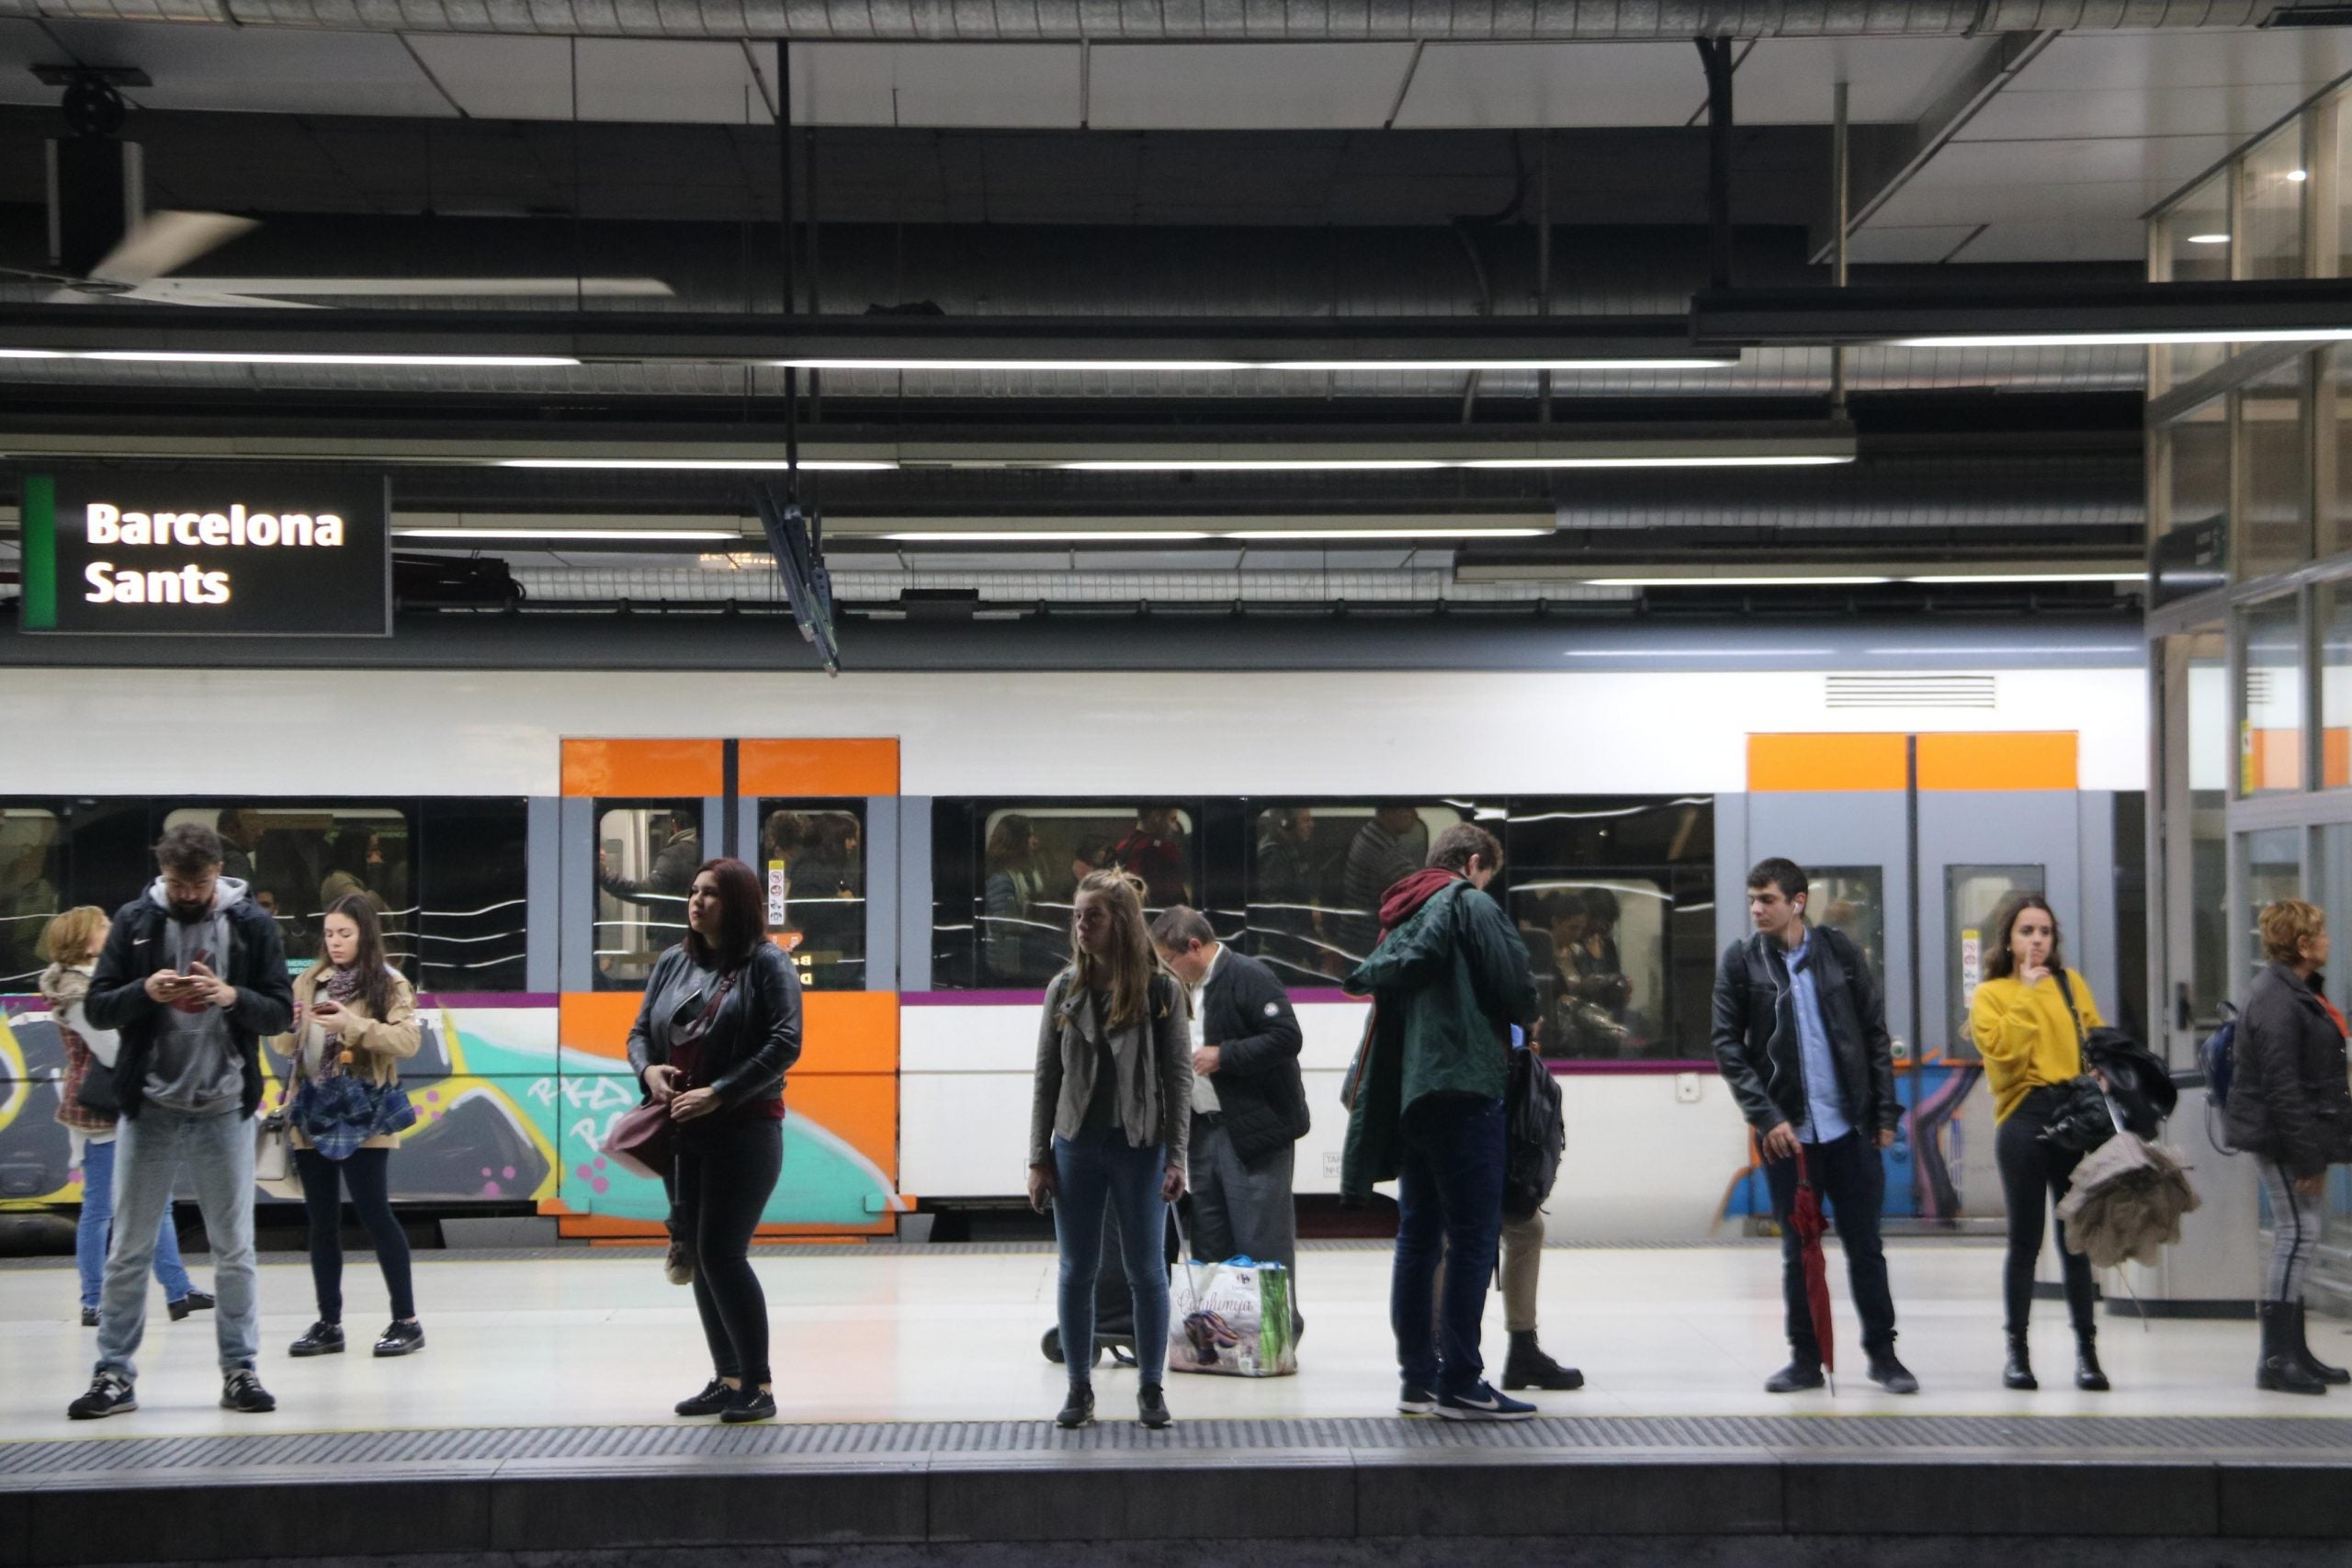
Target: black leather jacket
<point x="1246" y="1014"/>
<point x="2288" y="1100"/>
<point x="1756" y="1032"/>
<point x="753" y="1041"/>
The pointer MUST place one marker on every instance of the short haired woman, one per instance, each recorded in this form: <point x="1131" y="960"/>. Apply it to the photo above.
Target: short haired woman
<point x="718" y="1030"/>
<point x="2291" y="1108"/>
<point x="1110" y="1122"/>
<point x="69" y="944"/>
<point x="2028" y="1020"/>
<point x="355" y="1017"/>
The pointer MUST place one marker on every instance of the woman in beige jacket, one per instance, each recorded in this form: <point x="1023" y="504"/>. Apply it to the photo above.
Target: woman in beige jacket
<point x="355" y="1018"/>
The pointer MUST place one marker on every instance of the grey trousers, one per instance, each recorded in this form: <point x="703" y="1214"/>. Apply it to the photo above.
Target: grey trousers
<point x="1243" y="1208"/>
<point x="150" y="1151"/>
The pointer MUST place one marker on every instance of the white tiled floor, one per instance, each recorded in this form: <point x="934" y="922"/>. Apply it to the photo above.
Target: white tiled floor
<point x="911" y="1336"/>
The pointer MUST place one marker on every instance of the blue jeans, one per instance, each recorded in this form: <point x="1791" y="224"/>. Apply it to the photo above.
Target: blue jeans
<point x="1449" y="1211"/>
<point x="217" y="1152"/>
<point x="98" y="1218"/>
<point x="1092" y="1172"/>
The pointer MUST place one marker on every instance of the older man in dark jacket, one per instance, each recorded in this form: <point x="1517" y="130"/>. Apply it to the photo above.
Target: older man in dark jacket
<point x="1800" y="1035"/>
<point x="1249" y="1103"/>
<point x="1448" y="979"/>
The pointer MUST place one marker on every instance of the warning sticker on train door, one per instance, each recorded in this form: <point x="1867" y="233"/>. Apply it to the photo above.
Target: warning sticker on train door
<point x="779" y="891"/>
<point x="1971" y="966"/>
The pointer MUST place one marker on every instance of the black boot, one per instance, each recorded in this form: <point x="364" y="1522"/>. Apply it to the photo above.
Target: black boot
<point x="1529" y="1367"/>
<point x="2017" y="1371"/>
<point x="2311" y="1363"/>
<point x="2087" y="1376"/>
<point x="2281" y="1370"/>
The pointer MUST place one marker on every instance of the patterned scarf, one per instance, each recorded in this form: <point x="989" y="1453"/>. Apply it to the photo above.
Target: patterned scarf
<point x="343" y="983"/>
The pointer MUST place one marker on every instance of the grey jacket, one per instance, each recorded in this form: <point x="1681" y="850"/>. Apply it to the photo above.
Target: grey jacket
<point x="1153" y="1059"/>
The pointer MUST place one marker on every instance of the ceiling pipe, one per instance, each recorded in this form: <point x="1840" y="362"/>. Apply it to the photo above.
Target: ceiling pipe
<point x="1227" y="21"/>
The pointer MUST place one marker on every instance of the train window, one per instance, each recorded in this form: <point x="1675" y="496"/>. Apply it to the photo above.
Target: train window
<point x="1316" y="870"/>
<point x="812" y="861"/>
<point x="1971" y="895"/>
<point x="295" y="860"/>
<point x="32" y="876"/>
<point x="646" y="854"/>
<point x="1852" y="900"/>
<point x="470" y="929"/>
<point x="1615" y="899"/>
<point x="1005" y="872"/>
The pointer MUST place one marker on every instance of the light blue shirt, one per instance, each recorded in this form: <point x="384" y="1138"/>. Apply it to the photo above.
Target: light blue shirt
<point x="1825" y="1103"/>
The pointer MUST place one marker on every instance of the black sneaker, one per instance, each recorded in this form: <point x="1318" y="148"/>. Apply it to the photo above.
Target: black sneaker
<point x="323" y="1339"/>
<point x="1795" y="1378"/>
<point x="1413" y="1400"/>
<point x="714" y="1398"/>
<point x="1483" y="1403"/>
<point x="1078" y="1410"/>
<point x="1151" y="1406"/>
<point x="401" y="1340"/>
<point x="89" y="1317"/>
<point x="241" y="1391"/>
<point x="195" y="1301"/>
<point x="1892" y="1375"/>
<point x="750" y="1404"/>
<point x="110" y="1394"/>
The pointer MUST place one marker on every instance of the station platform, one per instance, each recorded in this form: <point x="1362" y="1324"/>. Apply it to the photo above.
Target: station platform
<point x="915" y="1406"/>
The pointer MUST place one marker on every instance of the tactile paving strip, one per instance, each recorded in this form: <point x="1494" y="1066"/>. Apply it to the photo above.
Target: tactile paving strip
<point x="1701" y="1438"/>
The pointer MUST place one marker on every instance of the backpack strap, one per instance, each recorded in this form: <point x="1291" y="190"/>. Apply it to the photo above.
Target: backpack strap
<point x="2066" y="989"/>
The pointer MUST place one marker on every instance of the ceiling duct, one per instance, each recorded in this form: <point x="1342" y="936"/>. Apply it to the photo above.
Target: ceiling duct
<point x="1288" y="21"/>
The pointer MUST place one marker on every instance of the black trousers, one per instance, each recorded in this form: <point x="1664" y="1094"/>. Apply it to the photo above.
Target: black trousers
<point x="1849" y="1176"/>
<point x="2034" y="1176"/>
<point x="726" y="1171"/>
<point x="367" y="1173"/>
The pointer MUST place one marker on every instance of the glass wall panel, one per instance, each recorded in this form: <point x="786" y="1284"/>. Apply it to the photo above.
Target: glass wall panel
<point x="2333" y="455"/>
<point x="2271" y="184"/>
<point x="2332" y="613"/>
<point x="2192" y="246"/>
<point x="2273" y="871"/>
<point x="2198" y="835"/>
<point x="2274" y="461"/>
<point x="2331" y="888"/>
<point x="812" y="861"/>
<point x="2270" y="729"/>
<point x="2194" y="509"/>
<point x="646" y="854"/>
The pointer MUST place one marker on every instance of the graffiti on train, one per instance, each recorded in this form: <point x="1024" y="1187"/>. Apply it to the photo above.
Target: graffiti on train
<point x="504" y="1113"/>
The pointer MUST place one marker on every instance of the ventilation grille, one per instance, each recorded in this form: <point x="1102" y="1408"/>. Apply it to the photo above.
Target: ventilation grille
<point x="1911" y="691"/>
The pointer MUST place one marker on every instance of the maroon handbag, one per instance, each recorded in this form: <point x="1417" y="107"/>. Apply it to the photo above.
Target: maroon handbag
<point x="644" y="1140"/>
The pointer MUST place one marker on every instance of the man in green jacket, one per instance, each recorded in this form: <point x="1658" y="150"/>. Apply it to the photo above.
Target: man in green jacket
<point x="1448" y="979"/>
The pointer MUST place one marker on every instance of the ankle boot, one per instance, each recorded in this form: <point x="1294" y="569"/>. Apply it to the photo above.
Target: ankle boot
<point x="2311" y="1363"/>
<point x="1529" y="1367"/>
<point x="2087" y="1376"/>
<point x="2281" y="1370"/>
<point x="2017" y="1371"/>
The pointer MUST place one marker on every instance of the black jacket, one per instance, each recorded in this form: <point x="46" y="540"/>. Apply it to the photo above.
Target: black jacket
<point x="753" y="1041"/>
<point x="135" y="949"/>
<point x="1246" y="1014"/>
<point x="1756" y="1032"/>
<point x="2288" y="1100"/>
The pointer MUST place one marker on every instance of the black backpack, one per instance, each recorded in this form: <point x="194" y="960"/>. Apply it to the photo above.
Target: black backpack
<point x="1535" y="1134"/>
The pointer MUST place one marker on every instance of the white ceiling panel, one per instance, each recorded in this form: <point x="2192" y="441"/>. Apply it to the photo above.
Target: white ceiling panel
<point x="679" y="83"/>
<point x="2116" y="112"/>
<point x="1921" y="242"/>
<point x="1244" y="86"/>
<point x="2075" y="240"/>
<point x="286" y="71"/>
<point x="1929" y="201"/>
<point x="2168" y="60"/>
<point x="975" y="85"/>
<point x="1791" y="81"/>
<point x="2157" y="165"/>
<point x="1509" y="84"/>
<point x="502" y="78"/>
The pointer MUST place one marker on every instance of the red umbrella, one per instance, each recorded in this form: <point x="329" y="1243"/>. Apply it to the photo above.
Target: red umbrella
<point x="1804" y="1218"/>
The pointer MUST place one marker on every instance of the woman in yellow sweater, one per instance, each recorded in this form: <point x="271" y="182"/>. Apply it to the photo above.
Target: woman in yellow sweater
<point x="2030" y="1032"/>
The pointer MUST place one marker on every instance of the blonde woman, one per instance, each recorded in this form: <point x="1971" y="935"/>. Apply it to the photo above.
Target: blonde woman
<point x="2291" y="1109"/>
<point x="355" y="1017"/>
<point x="70" y="945"/>
<point x="1109" y="1125"/>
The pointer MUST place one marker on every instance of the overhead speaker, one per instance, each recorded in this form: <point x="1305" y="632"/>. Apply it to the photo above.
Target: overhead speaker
<point x="97" y="195"/>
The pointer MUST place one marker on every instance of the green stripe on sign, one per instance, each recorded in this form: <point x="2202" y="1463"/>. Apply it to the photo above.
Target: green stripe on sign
<point x="38" y="520"/>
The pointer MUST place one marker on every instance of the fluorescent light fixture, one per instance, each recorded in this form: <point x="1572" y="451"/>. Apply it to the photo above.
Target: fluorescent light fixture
<point x="2143" y="339"/>
<point x="1047" y="536"/>
<point x="2209" y="239"/>
<point x="191" y="357"/>
<point x="2035" y="577"/>
<point x="583" y="534"/>
<point x="1312" y="367"/>
<point x="1435" y="531"/>
<point x="1248" y="465"/>
<point x="708" y="465"/>
<point x="1734" y="581"/>
<point x="1728" y="460"/>
<point x="2298" y="176"/>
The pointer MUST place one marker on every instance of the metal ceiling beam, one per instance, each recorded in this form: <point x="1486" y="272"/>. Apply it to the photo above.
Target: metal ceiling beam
<point x="1760" y="316"/>
<point x="1284" y="21"/>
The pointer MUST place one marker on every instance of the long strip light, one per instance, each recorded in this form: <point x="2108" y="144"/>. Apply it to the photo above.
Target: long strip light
<point x="1399" y="465"/>
<point x="1436" y="530"/>
<point x="1945" y="579"/>
<point x="1051" y="536"/>
<point x="2127" y="339"/>
<point x="1312" y="367"/>
<point x="581" y="535"/>
<point x="710" y="465"/>
<point x="239" y="356"/>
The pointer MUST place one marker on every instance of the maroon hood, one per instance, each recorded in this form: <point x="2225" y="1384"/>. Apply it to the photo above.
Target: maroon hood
<point x="1397" y="905"/>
